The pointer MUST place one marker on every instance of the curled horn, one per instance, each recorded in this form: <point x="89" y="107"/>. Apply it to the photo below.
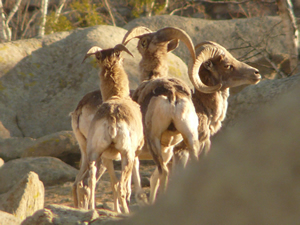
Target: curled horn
<point x="92" y="51"/>
<point x="134" y="33"/>
<point x="205" y="51"/>
<point x="169" y="33"/>
<point x="121" y="47"/>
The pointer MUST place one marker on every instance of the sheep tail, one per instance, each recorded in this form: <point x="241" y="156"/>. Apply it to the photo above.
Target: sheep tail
<point x="113" y="127"/>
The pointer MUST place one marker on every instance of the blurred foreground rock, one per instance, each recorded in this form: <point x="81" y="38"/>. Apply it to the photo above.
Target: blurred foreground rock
<point x="251" y="175"/>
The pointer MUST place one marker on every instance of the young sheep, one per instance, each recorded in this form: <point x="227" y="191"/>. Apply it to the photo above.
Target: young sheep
<point x="216" y="67"/>
<point x="168" y="112"/>
<point x="116" y="128"/>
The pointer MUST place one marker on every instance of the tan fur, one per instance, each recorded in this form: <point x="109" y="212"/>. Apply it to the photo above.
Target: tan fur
<point x="219" y="66"/>
<point x="166" y="107"/>
<point x="115" y="130"/>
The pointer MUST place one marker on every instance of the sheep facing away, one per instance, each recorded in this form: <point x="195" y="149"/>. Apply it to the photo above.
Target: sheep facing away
<point x="168" y="112"/>
<point x="214" y="66"/>
<point x="85" y="111"/>
<point x="116" y="129"/>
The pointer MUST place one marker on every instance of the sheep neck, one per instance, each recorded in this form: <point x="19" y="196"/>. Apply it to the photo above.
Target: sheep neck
<point x="154" y="66"/>
<point x="114" y="82"/>
<point x="213" y="105"/>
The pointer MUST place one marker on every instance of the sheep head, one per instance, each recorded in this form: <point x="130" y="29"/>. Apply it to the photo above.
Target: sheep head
<point x="216" y="69"/>
<point x="163" y="40"/>
<point x="107" y="57"/>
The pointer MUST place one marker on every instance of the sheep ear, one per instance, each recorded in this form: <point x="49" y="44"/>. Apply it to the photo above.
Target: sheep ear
<point x="173" y="44"/>
<point x="121" y="47"/>
<point x="92" y="51"/>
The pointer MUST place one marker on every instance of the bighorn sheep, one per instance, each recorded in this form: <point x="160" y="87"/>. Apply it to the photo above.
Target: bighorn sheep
<point x="168" y="112"/>
<point x="116" y="129"/>
<point x="216" y="67"/>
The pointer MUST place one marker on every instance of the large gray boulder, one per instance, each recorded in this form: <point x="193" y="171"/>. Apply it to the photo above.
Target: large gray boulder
<point x="235" y="35"/>
<point x="50" y="170"/>
<point x="42" y="80"/>
<point x="25" y="198"/>
<point x="13" y="148"/>
<point x="62" y="145"/>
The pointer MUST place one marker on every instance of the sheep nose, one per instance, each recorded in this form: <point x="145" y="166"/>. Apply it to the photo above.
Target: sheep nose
<point x="257" y="74"/>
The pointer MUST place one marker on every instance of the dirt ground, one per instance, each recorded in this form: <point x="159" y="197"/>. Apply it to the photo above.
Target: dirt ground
<point x="61" y="193"/>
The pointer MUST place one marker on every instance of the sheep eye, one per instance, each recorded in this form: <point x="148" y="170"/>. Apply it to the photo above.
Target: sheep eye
<point x="228" y="67"/>
<point x="98" y="55"/>
<point x="144" y="43"/>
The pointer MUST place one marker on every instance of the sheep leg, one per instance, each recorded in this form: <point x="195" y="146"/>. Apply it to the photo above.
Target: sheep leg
<point x="127" y="165"/>
<point x="180" y="159"/>
<point x="187" y="125"/>
<point x="154" y="184"/>
<point x="83" y="166"/>
<point x="114" y="183"/>
<point x="92" y="183"/>
<point x="140" y="196"/>
<point x="163" y="171"/>
<point x="155" y="179"/>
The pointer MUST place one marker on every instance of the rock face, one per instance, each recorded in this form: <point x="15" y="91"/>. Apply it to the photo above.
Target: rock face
<point x="42" y="80"/>
<point x="50" y="170"/>
<point x="252" y="97"/>
<point x="7" y="218"/>
<point x="62" y="145"/>
<point x="25" y="198"/>
<point x="236" y="34"/>
<point x="13" y="148"/>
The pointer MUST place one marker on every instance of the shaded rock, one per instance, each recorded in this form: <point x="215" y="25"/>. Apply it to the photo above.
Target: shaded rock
<point x="9" y="219"/>
<point x="252" y="97"/>
<point x="250" y="176"/>
<point x="63" y="215"/>
<point x="12" y="148"/>
<point x="24" y="198"/>
<point x="42" y="83"/>
<point x="50" y="170"/>
<point x="62" y="145"/>
<point x="233" y="34"/>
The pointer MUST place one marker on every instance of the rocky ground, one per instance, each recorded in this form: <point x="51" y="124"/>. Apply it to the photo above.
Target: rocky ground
<point x="61" y="193"/>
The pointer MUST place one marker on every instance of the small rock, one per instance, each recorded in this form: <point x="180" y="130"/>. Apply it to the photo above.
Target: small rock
<point x="4" y="133"/>
<point x="61" y="215"/>
<point x="8" y="219"/>
<point x="1" y="162"/>
<point x="25" y="198"/>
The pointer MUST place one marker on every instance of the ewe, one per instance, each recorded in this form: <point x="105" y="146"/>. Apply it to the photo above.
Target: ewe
<point x="116" y="129"/>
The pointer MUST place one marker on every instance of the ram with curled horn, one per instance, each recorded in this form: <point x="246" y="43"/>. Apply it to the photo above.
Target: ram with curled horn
<point x="168" y="112"/>
<point x="214" y="67"/>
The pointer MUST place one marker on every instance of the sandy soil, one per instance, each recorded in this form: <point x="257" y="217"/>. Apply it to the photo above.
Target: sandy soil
<point x="61" y="193"/>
